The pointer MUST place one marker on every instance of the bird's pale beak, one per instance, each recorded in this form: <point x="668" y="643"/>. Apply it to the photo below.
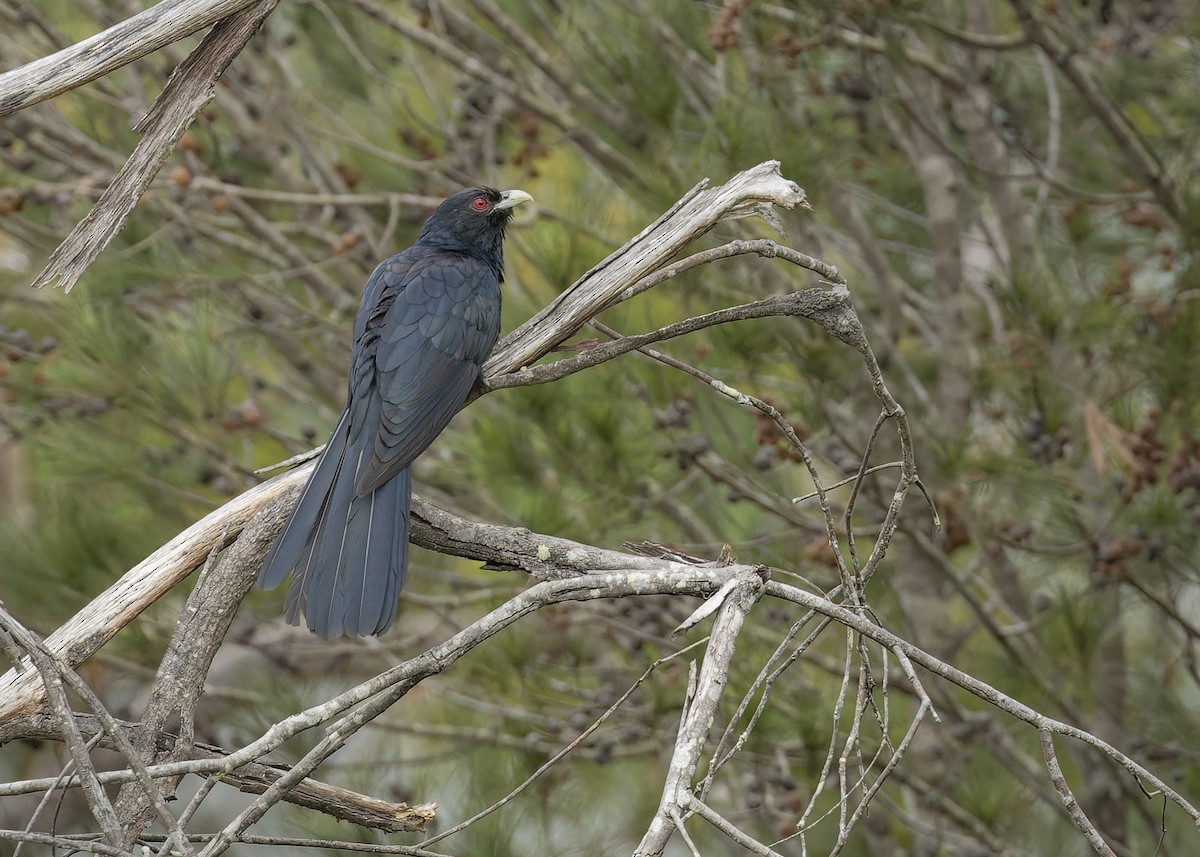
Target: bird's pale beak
<point x="512" y="198"/>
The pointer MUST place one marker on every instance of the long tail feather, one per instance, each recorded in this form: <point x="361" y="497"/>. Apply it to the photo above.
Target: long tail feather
<point x="349" y="552"/>
<point x="311" y="507"/>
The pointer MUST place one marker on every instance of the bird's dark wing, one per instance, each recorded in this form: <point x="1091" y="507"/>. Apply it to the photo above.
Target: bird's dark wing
<point x="421" y="346"/>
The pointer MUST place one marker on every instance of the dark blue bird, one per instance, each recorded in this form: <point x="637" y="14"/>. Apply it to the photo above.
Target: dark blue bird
<point x="430" y="316"/>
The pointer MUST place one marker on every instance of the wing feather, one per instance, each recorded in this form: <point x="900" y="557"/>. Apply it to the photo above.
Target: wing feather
<point x="433" y="321"/>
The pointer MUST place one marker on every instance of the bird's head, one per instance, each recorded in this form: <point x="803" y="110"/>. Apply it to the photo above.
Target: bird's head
<point x="472" y="221"/>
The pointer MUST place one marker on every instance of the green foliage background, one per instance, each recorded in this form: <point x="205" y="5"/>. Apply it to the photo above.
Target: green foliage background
<point x="1038" y="323"/>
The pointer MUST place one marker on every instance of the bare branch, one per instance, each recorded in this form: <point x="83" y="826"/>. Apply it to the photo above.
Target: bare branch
<point x="718" y="821"/>
<point x="97" y="623"/>
<point x="190" y="88"/>
<point x="63" y="842"/>
<point x="700" y="713"/>
<point x="1074" y="810"/>
<point x="980" y="689"/>
<point x="102" y="808"/>
<point x="808" y="303"/>
<point x="558" y="756"/>
<point x="183" y="670"/>
<point x="870" y="791"/>
<point x="16" y="636"/>
<point x="384" y="690"/>
<point x="144" y="33"/>
<point x="764" y="247"/>
<point x="603" y="285"/>
<point x="311" y="843"/>
<point x="765" y="680"/>
<point x="251" y="778"/>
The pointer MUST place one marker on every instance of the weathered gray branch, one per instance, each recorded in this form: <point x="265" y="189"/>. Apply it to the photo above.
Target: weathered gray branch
<point x="191" y="86"/>
<point x="251" y="778"/>
<point x="807" y="303"/>
<point x="1069" y="801"/>
<point x="699" y="714"/>
<point x="982" y="690"/>
<point x="180" y="681"/>
<point x="84" y="634"/>
<point x="693" y="216"/>
<point x="105" y="52"/>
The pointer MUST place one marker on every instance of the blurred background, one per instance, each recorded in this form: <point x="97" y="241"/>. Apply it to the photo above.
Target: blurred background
<point x="1010" y="188"/>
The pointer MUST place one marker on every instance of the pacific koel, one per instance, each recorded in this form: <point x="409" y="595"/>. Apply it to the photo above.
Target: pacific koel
<point x="430" y="316"/>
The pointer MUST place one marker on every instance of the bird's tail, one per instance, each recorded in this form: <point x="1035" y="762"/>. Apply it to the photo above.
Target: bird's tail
<point x="349" y="553"/>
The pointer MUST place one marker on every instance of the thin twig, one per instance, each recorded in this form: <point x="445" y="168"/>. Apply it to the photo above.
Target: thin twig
<point x="766" y="680"/>
<point x="16" y="635"/>
<point x="110" y="726"/>
<point x="978" y="688"/>
<point x="315" y="844"/>
<point x="722" y="824"/>
<point x="63" y="842"/>
<point x="891" y="465"/>
<point x="557" y="757"/>
<point x="870" y="792"/>
<point x="1074" y="810"/>
<point x="848" y="514"/>
<point x="687" y="840"/>
<point x="802" y="303"/>
<point x="764" y="247"/>
<point x="48" y="795"/>
<point x="772" y="412"/>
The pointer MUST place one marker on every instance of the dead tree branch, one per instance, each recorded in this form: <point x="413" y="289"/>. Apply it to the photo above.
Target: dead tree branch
<point x="699" y="713"/>
<point x="189" y="89"/>
<point x="252" y="778"/>
<point x="84" y="634"/>
<point x="563" y="571"/>
<point x="694" y="215"/>
<point x="105" y="52"/>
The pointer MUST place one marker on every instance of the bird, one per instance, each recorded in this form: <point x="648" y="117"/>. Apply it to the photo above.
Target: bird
<point x="430" y="316"/>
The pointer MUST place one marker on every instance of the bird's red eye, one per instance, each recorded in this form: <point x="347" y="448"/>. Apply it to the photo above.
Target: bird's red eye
<point x="480" y="203"/>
